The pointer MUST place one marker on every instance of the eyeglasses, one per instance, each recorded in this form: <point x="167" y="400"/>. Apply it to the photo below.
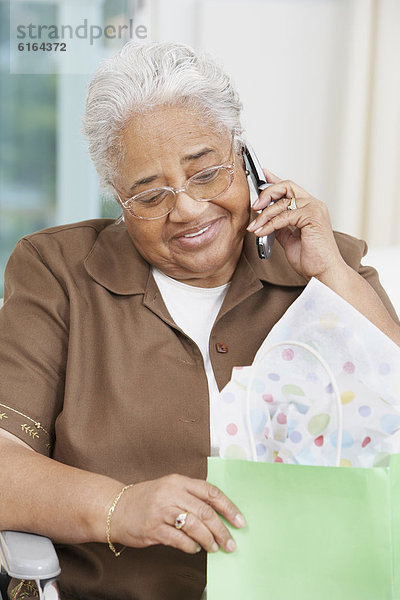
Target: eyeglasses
<point x="203" y="186"/>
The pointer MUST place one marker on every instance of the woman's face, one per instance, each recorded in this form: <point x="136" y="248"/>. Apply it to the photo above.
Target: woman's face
<point x="198" y="243"/>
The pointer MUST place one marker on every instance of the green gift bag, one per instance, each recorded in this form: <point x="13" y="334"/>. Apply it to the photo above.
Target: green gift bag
<point x="313" y="533"/>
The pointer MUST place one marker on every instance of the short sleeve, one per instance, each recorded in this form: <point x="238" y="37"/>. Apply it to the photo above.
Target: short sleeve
<point x="33" y="348"/>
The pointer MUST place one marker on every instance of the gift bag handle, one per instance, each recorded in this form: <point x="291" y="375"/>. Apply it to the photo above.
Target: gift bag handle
<point x="332" y="380"/>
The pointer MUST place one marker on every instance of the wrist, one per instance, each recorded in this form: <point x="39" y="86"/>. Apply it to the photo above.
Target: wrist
<point x="337" y="276"/>
<point x="109" y="520"/>
<point x="95" y="517"/>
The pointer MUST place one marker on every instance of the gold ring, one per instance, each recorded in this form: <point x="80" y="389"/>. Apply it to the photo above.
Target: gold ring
<point x="181" y="520"/>
<point x="292" y="205"/>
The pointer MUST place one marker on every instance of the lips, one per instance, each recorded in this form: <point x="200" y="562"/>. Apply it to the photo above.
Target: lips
<point x="196" y="236"/>
<point x="196" y="233"/>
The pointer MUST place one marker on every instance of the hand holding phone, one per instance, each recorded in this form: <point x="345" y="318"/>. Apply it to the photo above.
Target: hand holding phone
<point x="256" y="174"/>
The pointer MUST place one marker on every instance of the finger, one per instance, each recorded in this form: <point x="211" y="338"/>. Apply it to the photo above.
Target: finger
<point x="200" y="533"/>
<point x="207" y="502"/>
<point x="179" y="539"/>
<point x="283" y="189"/>
<point x="311" y="215"/>
<point x="206" y="518"/>
<point x="271" y="178"/>
<point x="216" y="499"/>
<point x="275" y="209"/>
<point x="286" y="218"/>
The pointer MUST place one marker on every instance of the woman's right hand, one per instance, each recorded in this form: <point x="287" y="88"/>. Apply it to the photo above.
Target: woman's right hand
<point x="146" y="513"/>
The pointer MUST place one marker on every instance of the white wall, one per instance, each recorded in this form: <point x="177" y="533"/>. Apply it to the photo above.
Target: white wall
<point x="320" y="82"/>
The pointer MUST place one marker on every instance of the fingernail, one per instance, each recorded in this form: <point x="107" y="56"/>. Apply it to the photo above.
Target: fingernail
<point x="198" y="548"/>
<point x="257" y="231"/>
<point x="240" y="521"/>
<point x="214" y="547"/>
<point x="252" y="224"/>
<point x="231" y="546"/>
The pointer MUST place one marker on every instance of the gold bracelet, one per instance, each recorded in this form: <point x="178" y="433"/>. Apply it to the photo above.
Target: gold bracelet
<point x="108" y="522"/>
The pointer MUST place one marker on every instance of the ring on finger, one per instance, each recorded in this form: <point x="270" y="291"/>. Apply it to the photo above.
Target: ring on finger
<point x="181" y="520"/>
<point x="292" y="205"/>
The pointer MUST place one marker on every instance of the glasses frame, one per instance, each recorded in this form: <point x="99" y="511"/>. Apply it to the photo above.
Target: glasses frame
<point x="230" y="168"/>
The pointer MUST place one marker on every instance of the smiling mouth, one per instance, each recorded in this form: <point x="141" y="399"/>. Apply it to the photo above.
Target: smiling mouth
<point x="196" y="233"/>
<point x="194" y="238"/>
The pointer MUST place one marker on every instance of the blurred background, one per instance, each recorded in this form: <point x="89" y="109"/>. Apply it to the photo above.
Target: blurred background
<point x="319" y="80"/>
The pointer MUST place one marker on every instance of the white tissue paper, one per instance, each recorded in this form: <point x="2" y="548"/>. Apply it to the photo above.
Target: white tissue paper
<point x="293" y="410"/>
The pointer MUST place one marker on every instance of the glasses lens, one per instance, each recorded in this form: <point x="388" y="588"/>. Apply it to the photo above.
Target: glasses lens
<point x="209" y="184"/>
<point x="152" y="204"/>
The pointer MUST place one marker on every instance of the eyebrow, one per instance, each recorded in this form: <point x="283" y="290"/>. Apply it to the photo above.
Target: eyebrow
<point x="185" y="159"/>
<point x="196" y="155"/>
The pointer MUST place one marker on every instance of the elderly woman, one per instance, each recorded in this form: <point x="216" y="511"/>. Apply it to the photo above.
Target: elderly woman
<point x="117" y="336"/>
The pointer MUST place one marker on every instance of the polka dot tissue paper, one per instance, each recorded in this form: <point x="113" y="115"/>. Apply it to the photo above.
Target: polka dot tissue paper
<point x="336" y="382"/>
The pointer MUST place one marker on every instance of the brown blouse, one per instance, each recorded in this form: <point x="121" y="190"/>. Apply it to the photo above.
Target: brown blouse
<point x="95" y="374"/>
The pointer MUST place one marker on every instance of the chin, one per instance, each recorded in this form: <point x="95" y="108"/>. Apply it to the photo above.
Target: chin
<point x="217" y="267"/>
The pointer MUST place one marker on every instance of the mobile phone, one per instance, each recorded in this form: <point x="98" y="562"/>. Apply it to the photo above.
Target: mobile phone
<point x="256" y="174"/>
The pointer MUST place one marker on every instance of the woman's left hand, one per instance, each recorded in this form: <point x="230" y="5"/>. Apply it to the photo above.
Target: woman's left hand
<point x="305" y="233"/>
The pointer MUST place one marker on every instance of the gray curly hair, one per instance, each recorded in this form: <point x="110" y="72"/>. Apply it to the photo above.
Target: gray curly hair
<point x="143" y="76"/>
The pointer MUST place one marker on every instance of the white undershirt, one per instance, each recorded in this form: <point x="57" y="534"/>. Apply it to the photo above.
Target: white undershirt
<point x="194" y="310"/>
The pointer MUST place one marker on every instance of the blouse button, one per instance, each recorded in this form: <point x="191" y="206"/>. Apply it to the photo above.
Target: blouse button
<point x="221" y="347"/>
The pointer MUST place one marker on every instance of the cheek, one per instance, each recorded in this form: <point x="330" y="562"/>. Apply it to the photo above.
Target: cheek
<point x="240" y="205"/>
<point x="146" y="235"/>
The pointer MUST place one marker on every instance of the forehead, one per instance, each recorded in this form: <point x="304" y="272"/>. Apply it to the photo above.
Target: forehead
<point x="169" y="133"/>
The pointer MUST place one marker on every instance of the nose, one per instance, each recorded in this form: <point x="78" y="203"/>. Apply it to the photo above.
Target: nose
<point x="186" y="209"/>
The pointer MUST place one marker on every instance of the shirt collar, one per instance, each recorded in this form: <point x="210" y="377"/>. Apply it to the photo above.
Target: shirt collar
<point x="114" y="263"/>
